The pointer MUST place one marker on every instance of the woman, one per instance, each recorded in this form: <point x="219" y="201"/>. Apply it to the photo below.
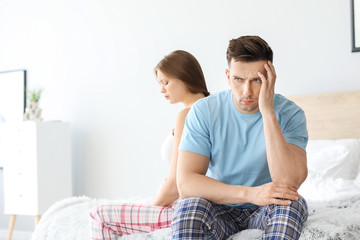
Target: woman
<point x="181" y="81"/>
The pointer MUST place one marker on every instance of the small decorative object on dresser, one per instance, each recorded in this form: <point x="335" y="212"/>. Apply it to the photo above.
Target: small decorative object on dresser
<point x="37" y="166"/>
<point x="32" y="110"/>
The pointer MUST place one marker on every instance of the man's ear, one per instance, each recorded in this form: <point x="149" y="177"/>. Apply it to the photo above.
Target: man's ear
<point x="227" y="72"/>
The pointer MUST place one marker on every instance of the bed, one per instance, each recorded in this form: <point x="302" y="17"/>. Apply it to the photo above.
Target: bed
<point x="332" y="188"/>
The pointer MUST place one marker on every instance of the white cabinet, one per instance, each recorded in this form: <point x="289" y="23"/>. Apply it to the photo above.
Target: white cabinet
<point x="37" y="165"/>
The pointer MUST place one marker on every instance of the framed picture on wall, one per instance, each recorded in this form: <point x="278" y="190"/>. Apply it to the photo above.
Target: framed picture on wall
<point x="355" y="22"/>
<point x="12" y="95"/>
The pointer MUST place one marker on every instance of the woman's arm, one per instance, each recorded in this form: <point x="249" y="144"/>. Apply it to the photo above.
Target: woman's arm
<point x="168" y="192"/>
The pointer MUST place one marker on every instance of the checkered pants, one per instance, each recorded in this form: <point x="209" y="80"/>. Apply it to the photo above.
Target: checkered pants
<point x="110" y="221"/>
<point x="198" y="218"/>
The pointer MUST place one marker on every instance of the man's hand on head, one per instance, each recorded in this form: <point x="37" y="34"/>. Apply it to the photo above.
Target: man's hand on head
<point x="267" y="91"/>
<point x="273" y="193"/>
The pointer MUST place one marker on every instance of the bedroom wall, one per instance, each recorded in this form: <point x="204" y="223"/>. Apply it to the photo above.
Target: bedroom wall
<point x="94" y="60"/>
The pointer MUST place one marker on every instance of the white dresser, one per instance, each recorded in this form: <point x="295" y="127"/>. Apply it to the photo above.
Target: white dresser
<point x="37" y="165"/>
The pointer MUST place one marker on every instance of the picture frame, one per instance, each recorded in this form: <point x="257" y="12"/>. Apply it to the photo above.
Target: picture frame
<point x="12" y="95"/>
<point x="355" y="25"/>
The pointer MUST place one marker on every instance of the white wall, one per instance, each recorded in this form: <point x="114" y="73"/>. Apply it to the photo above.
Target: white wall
<point x="95" y="61"/>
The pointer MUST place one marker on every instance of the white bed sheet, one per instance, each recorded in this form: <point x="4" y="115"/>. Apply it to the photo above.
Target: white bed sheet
<point x="332" y="191"/>
<point x="69" y="219"/>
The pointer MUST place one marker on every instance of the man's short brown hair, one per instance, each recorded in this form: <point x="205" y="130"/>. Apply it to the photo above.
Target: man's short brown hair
<point x="248" y="49"/>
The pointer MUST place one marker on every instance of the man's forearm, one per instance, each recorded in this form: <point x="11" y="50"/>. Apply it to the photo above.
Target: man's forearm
<point x="287" y="164"/>
<point x="220" y="193"/>
<point x="192" y="182"/>
<point x="197" y="185"/>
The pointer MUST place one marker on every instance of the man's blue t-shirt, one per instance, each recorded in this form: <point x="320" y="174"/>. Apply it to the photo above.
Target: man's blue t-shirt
<point x="234" y="141"/>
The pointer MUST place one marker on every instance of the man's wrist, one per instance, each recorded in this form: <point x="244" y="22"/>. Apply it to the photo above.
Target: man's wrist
<point x="269" y="115"/>
<point x="246" y="194"/>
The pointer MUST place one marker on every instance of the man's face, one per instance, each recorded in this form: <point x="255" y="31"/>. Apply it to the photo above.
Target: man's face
<point x="245" y="84"/>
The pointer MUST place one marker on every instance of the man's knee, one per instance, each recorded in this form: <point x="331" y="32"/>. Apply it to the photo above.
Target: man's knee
<point x="193" y="214"/>
<point x="285" y="221"/>
<point x="190" y="206"/>
<point x="299" y="208"/>
<point x="296" y="210"/>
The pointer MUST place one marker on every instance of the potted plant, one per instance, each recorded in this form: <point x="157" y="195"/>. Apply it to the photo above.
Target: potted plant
<point x="34" y="95"/>
<point x="32" y="111"/>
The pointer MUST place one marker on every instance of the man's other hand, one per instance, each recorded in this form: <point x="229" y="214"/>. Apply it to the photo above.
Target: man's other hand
<point x="273" y="193"/>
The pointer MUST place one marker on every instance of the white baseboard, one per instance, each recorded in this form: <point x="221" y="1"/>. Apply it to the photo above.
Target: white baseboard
<point x="16" y="235"/>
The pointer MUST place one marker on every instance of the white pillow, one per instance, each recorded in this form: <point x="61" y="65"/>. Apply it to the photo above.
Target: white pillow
<point x="318" y="188"/>
<point x="334" y="158"/>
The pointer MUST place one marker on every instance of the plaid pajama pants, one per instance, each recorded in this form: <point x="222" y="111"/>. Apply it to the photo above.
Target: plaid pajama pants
<point x="198" y="218"/>
<point x="110" y="221"/>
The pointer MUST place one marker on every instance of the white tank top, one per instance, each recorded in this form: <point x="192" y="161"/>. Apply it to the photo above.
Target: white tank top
<point x="167" y="148"/>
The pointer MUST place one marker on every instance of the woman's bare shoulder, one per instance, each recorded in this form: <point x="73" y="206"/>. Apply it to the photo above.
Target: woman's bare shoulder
<point x="181" y="116"/>
<point x="183" y="112"/>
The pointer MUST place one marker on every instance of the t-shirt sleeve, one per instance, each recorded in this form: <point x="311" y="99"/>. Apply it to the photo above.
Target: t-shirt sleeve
<point x="195" y="137"/>
<point x="295" y="131"/>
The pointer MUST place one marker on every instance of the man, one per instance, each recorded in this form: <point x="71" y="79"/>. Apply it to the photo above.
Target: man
<point x="242" y="155"/>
